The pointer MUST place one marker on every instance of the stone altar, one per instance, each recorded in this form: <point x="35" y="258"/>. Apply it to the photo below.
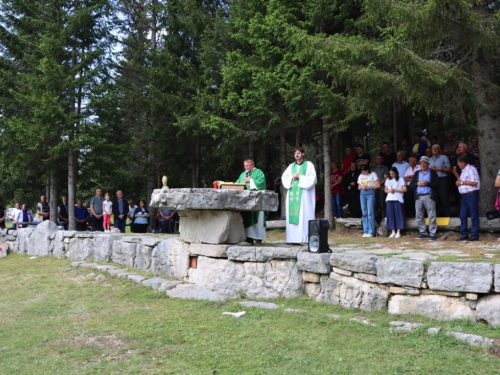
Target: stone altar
<point x="211" y="215"/>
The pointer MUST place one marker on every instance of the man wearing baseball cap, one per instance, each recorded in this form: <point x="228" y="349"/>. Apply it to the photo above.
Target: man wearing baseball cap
<point x="425" y="184"/>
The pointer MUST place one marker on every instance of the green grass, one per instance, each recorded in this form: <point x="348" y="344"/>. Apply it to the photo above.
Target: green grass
<point x="54" y="320"/>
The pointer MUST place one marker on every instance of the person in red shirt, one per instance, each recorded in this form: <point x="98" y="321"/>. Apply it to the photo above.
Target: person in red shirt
<point x="336" y="184"/>
<point x="349" y="158"/>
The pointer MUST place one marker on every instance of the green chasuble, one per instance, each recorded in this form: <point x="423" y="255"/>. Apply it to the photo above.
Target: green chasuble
<point x="295" y="194"/>
<point x="251" y="217"/>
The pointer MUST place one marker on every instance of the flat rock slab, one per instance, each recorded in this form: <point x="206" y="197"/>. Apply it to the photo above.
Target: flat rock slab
<point x="404" y="326"/>
<point x="474" y="340"/>
<point x="260" y="253"/>
<point x="117" y="271"/>
<point x="260" y="305"/>
<point x="214" y="199"/>
<point x="400" y="272"/>
<point x="296" y="310"/>
<point x="124" y="275"/>
<point x="460" y="277"/>
<point x="355" y="262"/>
<point x="76" y="264"/>
<point x="168" y="285"/>
<point x="416" y="256"/>
<point x="135" y="278"/>
<point x="191" y="291"/>
<point x="363" y="321"/>
<point x="154" y="283"/>
<point x="207" y="250"/>
<point x="88" y="265"/>
<point x="104" y="268"/>
<point x="315" y="263"/>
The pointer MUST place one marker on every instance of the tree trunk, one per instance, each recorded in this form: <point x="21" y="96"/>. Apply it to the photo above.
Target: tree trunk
<point x="488" y="125"/>
<point x="298" y="137"/>
<point x="336" y="147"/>
<point x="328" y="173"/>
<point x="53" y="196"/>
<point x="71" y="189"/>
<point x="283" y="168"/>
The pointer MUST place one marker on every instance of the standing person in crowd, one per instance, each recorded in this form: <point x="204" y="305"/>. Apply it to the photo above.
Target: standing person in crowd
<point x="434" y="140"/>
<point x="405" y="149"/>
<point x="474" y="150"/>
<point x="24" y="215"/>
<point x="428" y="152"/>
<point x="349" y="158"/>
<point x="120" y="211"/>
<point x="410" y="194"/>
<point x="462" y="150"/>
<point x="367" y="184"/>
<point x="395" y="187"/>
<point x="62" y="213"/>
<point x="418" y="147"/>
<point x="96" y="210"/>
<point x="401" y="164"/>
<point x="379" y="152"/>
<point x="141" y="217"/>
<point x="43" y="209"/>
<point x="81" y="216"/>
<point x="15" y="212"/>
<point x="254" y="222"/>
<point x="107" y="210"/>
<point x="167" y="220"/>
<point x="300" y="181"/>
<point x="468" y="186"/>
<point x="131" y="209"/>
<point x="336" y="186"/>
<point x="450" y="147"/>
<point x="425" y="184"/>
<point x="389" y="157"/>
<point x="441" y="165"/>
<point x="3" y="214"/>
<point x="382" y="173"/>
<point x="351" y="183"/>
<point x="361" y="158"/>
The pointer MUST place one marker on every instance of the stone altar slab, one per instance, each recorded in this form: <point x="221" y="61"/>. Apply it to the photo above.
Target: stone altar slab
<point x="214" y="199"/>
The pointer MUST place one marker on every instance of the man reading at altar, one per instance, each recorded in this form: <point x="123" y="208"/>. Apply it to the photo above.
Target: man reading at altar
<point x="299" y="179"/>
<point x="254" y="222"/>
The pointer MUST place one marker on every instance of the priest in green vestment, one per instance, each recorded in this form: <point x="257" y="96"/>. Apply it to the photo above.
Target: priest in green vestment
<point x="254" y="221"/>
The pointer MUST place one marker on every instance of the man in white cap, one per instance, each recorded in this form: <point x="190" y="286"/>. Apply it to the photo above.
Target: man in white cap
<point x="425" y="184"/>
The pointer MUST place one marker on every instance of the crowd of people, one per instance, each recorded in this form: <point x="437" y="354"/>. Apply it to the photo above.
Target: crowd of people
<point x="95" y="218"/>
<point x="414" y="182"/>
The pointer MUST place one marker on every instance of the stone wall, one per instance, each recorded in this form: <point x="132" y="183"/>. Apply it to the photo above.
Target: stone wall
<point x="440" y="290"/>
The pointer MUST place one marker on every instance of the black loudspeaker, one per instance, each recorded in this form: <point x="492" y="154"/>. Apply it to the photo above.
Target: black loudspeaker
<point x="318" y="236"/>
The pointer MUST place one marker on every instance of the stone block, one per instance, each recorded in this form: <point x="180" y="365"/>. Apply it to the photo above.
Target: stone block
<point x="22" y="240"/>
<point x="431" y="306"/>
<point x="442" y="293"/>
<point x="87" y="235"/>
<point x="59" y="250"/>
<point x="117" y="271"/>
<point x="80" y="248"/>
<point x="260" y="253"/>
<point x="69" y="233"/>
<point x="341" y="271"/>
<point x="276" y="278"/>
<point x="207" y="250"/>
<point x="433" y="331"/>
<point x="352" y="293"/>
<point x="171" y="257"/>
<point x="317" y="263"/>
<point x="366" y="277"/>
<point x="405" y="291"/>
<point x="190" y="291"/>
<point x="150" y="241"/>
<point x="400" y="272"/>
<point x="405" y="326"/>
<point x="143" y="257"/>
<point x="214" y="199"/>
<point x="87" y="265"/>
<point x="213" y="227"/>
<point x="40" y="243"/>
<point x="310" y="277"/>
<point x="488" y="309"/>
<point x="497" y="278"/>
<point x="124" y="253"/>
<point x="103" y="247"/>
<point x="355" y="262"/>
<point x="460" y="277"/>
<point x="312" y="289"/>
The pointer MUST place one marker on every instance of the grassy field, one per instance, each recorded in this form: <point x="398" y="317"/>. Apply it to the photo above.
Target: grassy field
<point x="55" y="320"/>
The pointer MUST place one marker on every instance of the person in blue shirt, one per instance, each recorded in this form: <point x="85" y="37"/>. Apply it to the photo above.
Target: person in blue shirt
<point x="81" y="216"/>
<point x="141" y="218"/>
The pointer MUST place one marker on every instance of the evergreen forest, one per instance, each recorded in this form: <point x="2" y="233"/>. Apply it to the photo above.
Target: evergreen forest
<point x="117" y="93"/>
